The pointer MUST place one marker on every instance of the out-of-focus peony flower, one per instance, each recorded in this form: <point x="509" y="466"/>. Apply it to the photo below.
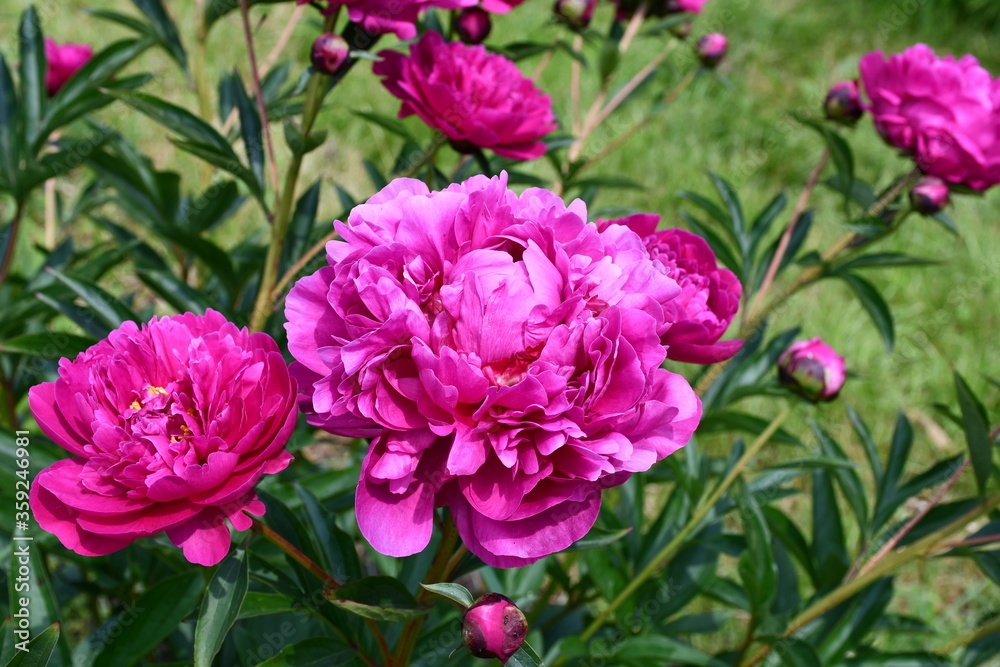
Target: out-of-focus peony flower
<point x="63" y="62"/>
<point x="929" y="196"/>
<point x="171" y="425"/>
<point x="384" y="16"/>
<point x="329" y="52"/>
<point x="494" y="627"/>
<point x="503" y="353"/>
<point x="709" y="298"/>
<point x="575" y="13"/>
<point x="843" y="102"/>
<point x="944" y="112"/>
<point x="812" y="369"/>
<point x="711" y="49"/>
<point x="477" y="99"/>
<point x="500" y="6"/>
<point x="659" y="8"/>
<point x="473" y="25"/>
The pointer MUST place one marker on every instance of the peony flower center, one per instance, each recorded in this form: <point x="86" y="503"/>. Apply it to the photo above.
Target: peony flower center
<point x="510" y="371"/>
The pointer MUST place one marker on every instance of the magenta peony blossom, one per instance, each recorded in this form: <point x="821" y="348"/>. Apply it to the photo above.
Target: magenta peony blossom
<point x="494" y="627"/>
<point x="499" y="6"/>
<point x="710" y="296"/>
<point x="812" y="369"/>
<point x="503" y="352"/>
<point x="477" y="99"/>
<point x="171" y="424"/>
<point x="660" y="8"/>
<point x="63" y="63"/>
<point x="942" y="111"/>
<point x="384" y="16"/>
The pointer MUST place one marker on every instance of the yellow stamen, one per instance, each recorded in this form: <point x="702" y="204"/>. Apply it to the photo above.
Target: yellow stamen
<point x="156" y="390"/>
<point x="135" y="405"/>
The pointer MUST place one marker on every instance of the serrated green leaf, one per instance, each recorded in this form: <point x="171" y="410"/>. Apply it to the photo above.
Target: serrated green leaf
<point x="457" y="593"/>
<point x="378" y="598"/>
<point x="221" y="605"/>
<point x="977" y="433"/>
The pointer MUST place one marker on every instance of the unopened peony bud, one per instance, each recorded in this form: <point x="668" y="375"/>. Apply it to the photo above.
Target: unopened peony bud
<point x="576" y="13"/>
<point x="493" y="627"/>
<point x="473" y="25"/>
<point x="329" y="52"/>
<point x="812" y="369"/>
<point x="929" y="196"/>
<point x="712" y="49"/>
<point x="843" y="103"/>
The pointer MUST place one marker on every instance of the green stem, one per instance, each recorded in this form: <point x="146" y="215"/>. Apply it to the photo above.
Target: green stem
<point x="8" y="255"/>
<point x="440" y="569"/>
<point x="704" y="507"/>
<point x="845" y="591"/>
<point x="978" y="633"/>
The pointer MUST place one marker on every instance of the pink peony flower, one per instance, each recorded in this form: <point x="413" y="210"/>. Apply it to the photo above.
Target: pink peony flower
<point x="660" y="8"/>
<point x="171" y="424"/>
<point x="63" y="63"/>
<point x="710" y="296"/>
<point x="494" y="627"/>
<point x="942" y="111"/>
<point x="477" y="99"/>
<point x="499" y="6"/>
<point x="812" y="369"/>
<point x="503" y="352"/>
<point x="384" y="16"/>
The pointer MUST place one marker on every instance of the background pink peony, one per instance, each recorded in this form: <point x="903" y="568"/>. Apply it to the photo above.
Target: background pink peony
<point x="945" y="112"/>
<point x="171" y="425"/>
<point x="503" y="353"/>
<point x="63" y="62"/>
<point x="390" y="16"/>
<point x="477" y="99"/>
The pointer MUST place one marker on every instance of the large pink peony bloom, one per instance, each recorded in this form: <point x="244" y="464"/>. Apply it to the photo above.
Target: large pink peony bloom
<point x="172" y="424"/>
<point x="710" y="295"/>
<point x="63" y="62"/>
<point x="942" y="111"/>
<point x="384" y="16"/>
<point x="503" y="353"/>
<point x="475" y="98"/>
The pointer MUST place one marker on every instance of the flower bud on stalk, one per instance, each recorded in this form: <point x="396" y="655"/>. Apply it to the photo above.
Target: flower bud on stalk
<point x="329" y="52"/>
<point x="812" y="369"/>
<point x="929" y="196"/>
<point x="711" y="49"/>
<point x="843" y="103"/>
<point x="473" y="25"/>
<point x="575" y="13"/>
<point x="493" y="627"/>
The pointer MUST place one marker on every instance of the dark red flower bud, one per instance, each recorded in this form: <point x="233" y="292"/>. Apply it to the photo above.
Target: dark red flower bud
<point x="329" y="52"/>
<point x="473" y="25"/>
<point x="712" y="49"/>
<point x="843" y="103"/>
<point x="929" y="196"/>
<point x="576" y="13"/>
<point x="493" y="627"/>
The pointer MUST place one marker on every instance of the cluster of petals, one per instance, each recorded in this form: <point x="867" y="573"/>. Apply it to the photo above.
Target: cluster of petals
<point x="504" y="354"/>
<point x="709" y="298"/>
<point x="399" y="17"/>
<point x="944" y="112"/>
<point x="170" y="425"/>
<point x="63" y="62"/>
<point x="475" y="98"/>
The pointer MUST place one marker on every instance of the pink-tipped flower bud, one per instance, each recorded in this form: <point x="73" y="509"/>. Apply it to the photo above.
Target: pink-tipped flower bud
<point x="493" y="627"/>
<point x="812" y="369"/>
<point x="473" y="25"/>
<point x="575" y="13"/>
<point x="929" y="196"/>
<point x="329" y="52"/>
<point x="712" y="48"/>
<point x="843" y="103"/>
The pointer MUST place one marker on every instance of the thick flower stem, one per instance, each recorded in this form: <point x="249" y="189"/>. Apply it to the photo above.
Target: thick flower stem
<point x="445" y="559"/>
<point x="277" y="540"/>
<point x="700" y="512"/>
<point x="279" y="228"/>
<point x="893" y="561"/>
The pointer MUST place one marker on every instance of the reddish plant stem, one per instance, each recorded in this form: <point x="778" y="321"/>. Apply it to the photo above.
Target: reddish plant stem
<point x="259" y="93"/>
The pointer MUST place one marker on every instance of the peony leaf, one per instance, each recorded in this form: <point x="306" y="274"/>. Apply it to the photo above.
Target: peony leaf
<point x="266" y="604"/>
<point x="10" y="146"/>
<point x="977" y="433"/>
<point x="49" y="345"/>
<point x="250" y="126"/>
<point x="162" y="27"/>
<point x="221" y="605"/>
<point x="871" y="300"/>
<point x="378" y="598"/>
<point x="793" y="652"/>
<point x="457" y="593"/>
<point x="109" y="310"/>
<point x="829" y="545"/>
<point x="32" y="68"/>
<point x="38" y="650"/>
<point x="313" y="652"/>
<point x="525" y="657"/>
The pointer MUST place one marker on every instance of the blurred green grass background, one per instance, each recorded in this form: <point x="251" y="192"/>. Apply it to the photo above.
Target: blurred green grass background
<point x="783" y="56"/>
